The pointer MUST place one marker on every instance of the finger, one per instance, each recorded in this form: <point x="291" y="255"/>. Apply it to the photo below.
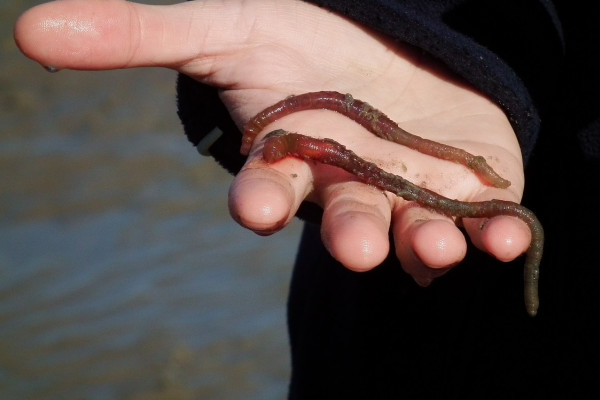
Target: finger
<point x="264" y="198"/>
<point x="427" y="244"/>
<point x="355" y="225"/>
<point x="101" y="34"/>
<point x="504" y="237"/>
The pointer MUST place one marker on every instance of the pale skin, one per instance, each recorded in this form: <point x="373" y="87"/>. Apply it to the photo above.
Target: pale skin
<point x="258" y="52"/>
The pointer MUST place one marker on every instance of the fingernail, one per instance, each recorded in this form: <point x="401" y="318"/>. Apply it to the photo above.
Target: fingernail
<point x="50" y="68"/>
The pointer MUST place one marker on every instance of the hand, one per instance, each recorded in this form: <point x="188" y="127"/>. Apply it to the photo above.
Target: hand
<point x="261" y="52"/>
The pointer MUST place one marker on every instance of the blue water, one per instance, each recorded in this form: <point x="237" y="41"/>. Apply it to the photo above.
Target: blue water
<point x="122" y="275"/>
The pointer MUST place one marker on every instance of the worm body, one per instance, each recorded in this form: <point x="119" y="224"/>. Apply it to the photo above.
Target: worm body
<point x="279" y="144"/>
<point x="373" y="120"/>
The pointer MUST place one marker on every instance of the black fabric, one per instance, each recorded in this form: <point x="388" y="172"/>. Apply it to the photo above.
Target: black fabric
<point x="201" y="111"/>
<point x="377" y="335"/>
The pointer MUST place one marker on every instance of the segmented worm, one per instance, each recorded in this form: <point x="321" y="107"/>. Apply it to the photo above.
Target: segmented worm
<point x="279" y="144"/>
<point x="373" y="120"/>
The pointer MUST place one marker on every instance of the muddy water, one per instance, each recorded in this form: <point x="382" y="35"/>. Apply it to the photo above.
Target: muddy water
<point x="122" y="275"/>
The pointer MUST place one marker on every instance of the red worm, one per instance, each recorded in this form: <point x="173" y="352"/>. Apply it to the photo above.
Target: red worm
<point x="373" y="120"/>
<point x="279" y="144"/>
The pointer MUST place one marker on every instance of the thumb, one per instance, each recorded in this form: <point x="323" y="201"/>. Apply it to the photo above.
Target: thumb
<point x="111" y="34"/>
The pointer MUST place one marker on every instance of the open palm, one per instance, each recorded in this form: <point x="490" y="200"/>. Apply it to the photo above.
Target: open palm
<point x="260" y="52"/>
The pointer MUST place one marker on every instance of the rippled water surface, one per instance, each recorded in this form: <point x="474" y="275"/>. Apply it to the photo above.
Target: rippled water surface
<point x="122" y="275"/>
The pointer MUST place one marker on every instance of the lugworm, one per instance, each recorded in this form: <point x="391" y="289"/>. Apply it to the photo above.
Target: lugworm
<point x="373" y="120"/>
<point x="279" y="144"/>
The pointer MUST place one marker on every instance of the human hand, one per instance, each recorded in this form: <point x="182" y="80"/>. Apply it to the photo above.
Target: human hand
<point x="260" y="52"/>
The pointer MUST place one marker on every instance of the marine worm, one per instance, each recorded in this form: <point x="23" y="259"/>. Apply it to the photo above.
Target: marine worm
<point x="373" y="120"/>
<point x="279" y="144"/>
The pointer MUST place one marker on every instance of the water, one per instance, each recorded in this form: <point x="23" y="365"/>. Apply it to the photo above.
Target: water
<point x="122" y="275"/>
